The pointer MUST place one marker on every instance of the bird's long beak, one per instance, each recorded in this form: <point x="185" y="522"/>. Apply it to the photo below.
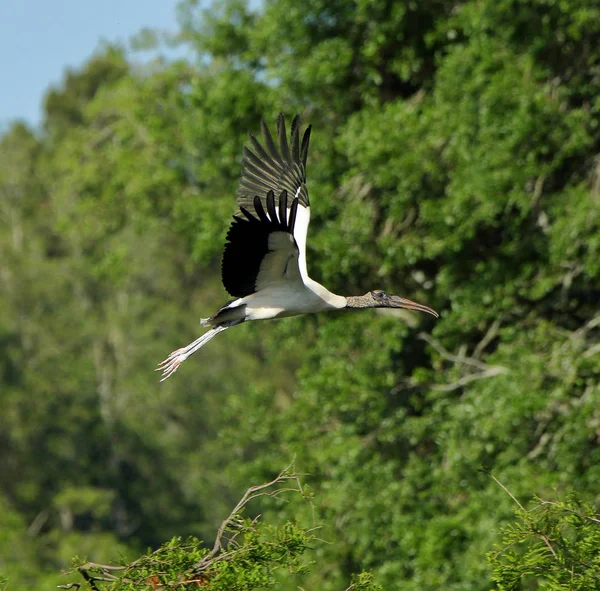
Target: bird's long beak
<point x="399" y="302"/>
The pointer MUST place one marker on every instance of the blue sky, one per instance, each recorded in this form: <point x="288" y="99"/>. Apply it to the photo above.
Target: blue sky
<point x="40" y="38"/>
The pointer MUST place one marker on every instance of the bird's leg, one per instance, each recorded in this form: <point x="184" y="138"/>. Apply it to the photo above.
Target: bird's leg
<point x="170" y="365"/>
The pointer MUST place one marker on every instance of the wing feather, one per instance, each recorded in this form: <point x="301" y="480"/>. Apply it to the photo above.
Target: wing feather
<point x="271" y="207"/>
<point x="251" y="160"/>
<point x="304" y="149"/>
<point x="293" y="213"/>
<point x="268" y="139"/>
<point x="296" y="139"/>
<point x="283" y="143"/>
<point x="267" y="167"/>
<point x="283" y="208"/>
<point x="260" y="210"/>
<point x="264" y="157"/>
<point x="261" y="249"/>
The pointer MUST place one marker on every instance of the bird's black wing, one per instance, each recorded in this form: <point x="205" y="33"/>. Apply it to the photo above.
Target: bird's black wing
<point x="260" y="249"/>
<point x="275" y="166"/>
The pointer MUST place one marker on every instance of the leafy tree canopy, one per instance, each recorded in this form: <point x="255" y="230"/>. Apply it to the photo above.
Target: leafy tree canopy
<point x="454" y="160"/>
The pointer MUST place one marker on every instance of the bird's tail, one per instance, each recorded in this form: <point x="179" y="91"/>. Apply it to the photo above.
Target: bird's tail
<point x="170" y="365"/>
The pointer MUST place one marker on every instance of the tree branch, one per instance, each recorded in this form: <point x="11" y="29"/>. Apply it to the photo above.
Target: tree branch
<point x="233" y="525"/>
<point x="488" y="337"/>
<point x="253" y="492"/>
<point x="485" y="370"/>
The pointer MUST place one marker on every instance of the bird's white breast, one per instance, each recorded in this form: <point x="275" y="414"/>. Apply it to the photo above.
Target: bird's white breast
<point x="289" y="299"/>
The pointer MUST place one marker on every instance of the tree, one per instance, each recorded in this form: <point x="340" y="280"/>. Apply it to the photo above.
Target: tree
<point x="453" y="159"/>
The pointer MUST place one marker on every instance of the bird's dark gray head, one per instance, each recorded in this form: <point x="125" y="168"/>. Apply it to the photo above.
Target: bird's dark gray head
<point x="381" y="299"/>
<point x="386" y="300"/>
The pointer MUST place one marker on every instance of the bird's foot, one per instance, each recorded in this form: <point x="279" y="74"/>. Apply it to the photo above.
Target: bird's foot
<point x="170" y="365"/>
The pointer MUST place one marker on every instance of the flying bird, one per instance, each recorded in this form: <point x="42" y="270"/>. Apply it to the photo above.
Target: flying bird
<point x="264" y="261"/>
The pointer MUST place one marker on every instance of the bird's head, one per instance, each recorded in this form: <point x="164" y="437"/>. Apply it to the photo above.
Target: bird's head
<point x="382" y="299"/>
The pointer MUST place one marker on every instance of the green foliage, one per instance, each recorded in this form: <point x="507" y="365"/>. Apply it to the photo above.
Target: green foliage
<point x="254" y="563"/>
<point x="555" y="543"/>
<point x="453" y="160"/>
<point x="248" y="554"/>
<point x="65" y="107"/>
<point x="251" y="566"/>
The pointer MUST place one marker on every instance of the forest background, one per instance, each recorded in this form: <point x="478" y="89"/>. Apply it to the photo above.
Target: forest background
<point x="455" y="160"/>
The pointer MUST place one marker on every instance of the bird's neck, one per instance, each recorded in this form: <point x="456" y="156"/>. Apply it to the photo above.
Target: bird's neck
<point x="331" y="301"/>
<point x="364" y="301"/>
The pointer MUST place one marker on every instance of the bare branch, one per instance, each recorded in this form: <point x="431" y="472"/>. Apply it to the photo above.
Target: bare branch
<point x="589" y="325"/>
<point x="488" y="337"/>
<point x="544" y="537"/>
<point x="504" y="489"/>
<point x="229" y="530"/>
<point x="581" y="333"/>
<point x="456" y="358"/>
<point x="90" y="580"/>
<point x="89" y="565"/>
<point x="591" y="351"/>
<point x="473" y="377"/>
<point x="537" y="191"/>
<point x="37" y="524"/>
<point x="253" y="492"/>
<point x="486" y="371"/>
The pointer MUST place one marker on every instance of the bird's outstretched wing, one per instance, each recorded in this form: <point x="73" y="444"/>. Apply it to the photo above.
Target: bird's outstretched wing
<point x="278" y="167"/>
<point x="260" y="249"/>
<point x="272" y="168"/>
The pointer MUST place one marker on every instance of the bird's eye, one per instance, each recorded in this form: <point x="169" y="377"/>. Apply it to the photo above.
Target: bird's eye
<point x="377" y="293"/>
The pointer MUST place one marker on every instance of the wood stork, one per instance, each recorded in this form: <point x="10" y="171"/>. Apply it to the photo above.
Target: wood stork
<point x="264" y="262"/>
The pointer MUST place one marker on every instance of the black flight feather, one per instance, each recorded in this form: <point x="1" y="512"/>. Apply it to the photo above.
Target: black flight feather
<point x="263" y="156"/>
<point x="260" y="210"/>
<point x="271" y="206"/>
<point x="283" y="143"/>
<point x="304" y="149"/>
<point x="258" y="165"/>
<point x="248" y="242"/>
<point x="268" y="139"/>
<point x="283" y="208"/>
<point x="295" y="142"/>
<point x="266" y="167"/>
<point x="293" y="211"/>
